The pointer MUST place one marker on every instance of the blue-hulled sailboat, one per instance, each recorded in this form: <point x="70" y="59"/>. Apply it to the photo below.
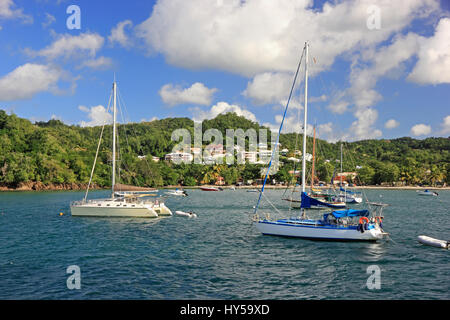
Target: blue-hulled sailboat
<point x="347" y="225"/>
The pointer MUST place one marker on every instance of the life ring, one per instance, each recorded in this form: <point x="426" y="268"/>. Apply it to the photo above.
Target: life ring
<point x="379" y="219"/>
<point x="362" y="219"/>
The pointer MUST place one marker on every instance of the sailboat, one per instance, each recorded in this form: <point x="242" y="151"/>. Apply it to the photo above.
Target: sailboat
<point x="345" y="195"/>
<point x="317" y="199"/>
<point x="121" y="203"/>
<point x="344" y="225"/>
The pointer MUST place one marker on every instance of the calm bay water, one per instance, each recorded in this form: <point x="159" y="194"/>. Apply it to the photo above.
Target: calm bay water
<point x="219" y="255"/>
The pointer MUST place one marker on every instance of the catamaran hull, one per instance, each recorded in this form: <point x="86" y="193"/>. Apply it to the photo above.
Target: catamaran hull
<point x="317" y="232"/>
<point x="162" y="210"/>
<point x="91" y="211"/>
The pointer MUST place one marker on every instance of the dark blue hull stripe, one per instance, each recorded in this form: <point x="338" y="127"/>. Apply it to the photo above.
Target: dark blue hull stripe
<point x="322" y="239"/>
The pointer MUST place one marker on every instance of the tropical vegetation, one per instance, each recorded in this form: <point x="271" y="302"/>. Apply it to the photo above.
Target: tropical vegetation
<point x="54" y="153"/>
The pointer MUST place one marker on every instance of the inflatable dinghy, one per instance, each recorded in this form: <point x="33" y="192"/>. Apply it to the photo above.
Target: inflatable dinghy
<point x="186" y="214"/>
<point x="434" y="242"/>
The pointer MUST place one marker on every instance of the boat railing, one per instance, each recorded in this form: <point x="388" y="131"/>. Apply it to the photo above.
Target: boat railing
<point x="83" y="202"/>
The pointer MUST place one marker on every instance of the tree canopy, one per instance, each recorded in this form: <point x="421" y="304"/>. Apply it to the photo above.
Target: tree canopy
<point x="56" y="153"/>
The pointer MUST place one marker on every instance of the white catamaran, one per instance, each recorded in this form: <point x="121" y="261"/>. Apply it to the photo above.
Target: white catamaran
<point x="121" y="204"/>
<point x="347" y="225"/>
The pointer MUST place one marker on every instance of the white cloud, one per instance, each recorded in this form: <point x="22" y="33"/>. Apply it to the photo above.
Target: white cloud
<point x="269" y="87"/>
<point x="322" y="98"/>
<point x="97" y="116"/>
<point x="339" y="107"/>
<point x="433" y="65"/>
<point x="328" y="132"/>
<point x="420" y="130"/>
<point x="292" y="124"/>
<point x="7" y="11"/>
<point x="254" y="36"/>
<point x="362" y="127"/>
<point x="383" y="62"/>
<point x="325" y="129"/>
<point x="370" y="65"/>
<point x="446" y="125"/>
<point x="391" y="124"/>
<point x="27" y="80"/>
<point x="118" y="34"/>
<point x="69" y="46"/>
<point x="262" y="40"/>
<point x="49" y="19"/>
<point x="198" y="93"/>
<point x="220" y="108"/>
<point x="99" y="63"/>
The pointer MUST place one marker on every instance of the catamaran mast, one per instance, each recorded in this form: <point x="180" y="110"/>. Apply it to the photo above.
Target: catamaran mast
<point x="114" y="139"/>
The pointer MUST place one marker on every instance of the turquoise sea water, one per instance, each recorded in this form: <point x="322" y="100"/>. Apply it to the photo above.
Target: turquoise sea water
<point x="219" y="255"/>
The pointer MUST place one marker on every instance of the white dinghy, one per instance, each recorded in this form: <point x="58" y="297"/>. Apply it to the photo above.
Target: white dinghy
<point x="186" y="214"/>
<point x="434" y="242"/>
<point x="427" y="193"/>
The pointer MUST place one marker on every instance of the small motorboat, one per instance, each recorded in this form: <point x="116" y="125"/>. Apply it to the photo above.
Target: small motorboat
<point x="210" y="189"/>
<point x="188" y="214"/>
<point x="427" y="193"/>
<point x="177" y="192"/>
<point x="434" y="242"/>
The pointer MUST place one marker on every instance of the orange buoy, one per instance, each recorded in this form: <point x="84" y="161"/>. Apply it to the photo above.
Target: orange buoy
<point x="362" y="219"/>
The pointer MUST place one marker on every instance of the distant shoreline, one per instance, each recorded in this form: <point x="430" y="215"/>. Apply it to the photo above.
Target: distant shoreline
<point x="81" y="187"/>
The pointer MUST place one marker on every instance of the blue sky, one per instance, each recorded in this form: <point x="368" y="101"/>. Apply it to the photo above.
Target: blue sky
<point x="382" y="68"/>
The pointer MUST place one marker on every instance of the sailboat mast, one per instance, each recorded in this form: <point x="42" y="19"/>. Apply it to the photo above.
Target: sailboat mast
<point x="341" y="164"/>
<point x="114" y="139"/>
<point x="313" y="159"/>
<point x="305" y="120"/>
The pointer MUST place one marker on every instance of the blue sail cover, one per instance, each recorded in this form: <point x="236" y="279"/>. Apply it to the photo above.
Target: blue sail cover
<point x="308" y="201"/>
<point x="346" y="213"/>
<point x="350" y="213"/>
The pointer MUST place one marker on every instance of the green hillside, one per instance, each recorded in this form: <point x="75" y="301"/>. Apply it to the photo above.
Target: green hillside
<point x="53" y="153"/>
